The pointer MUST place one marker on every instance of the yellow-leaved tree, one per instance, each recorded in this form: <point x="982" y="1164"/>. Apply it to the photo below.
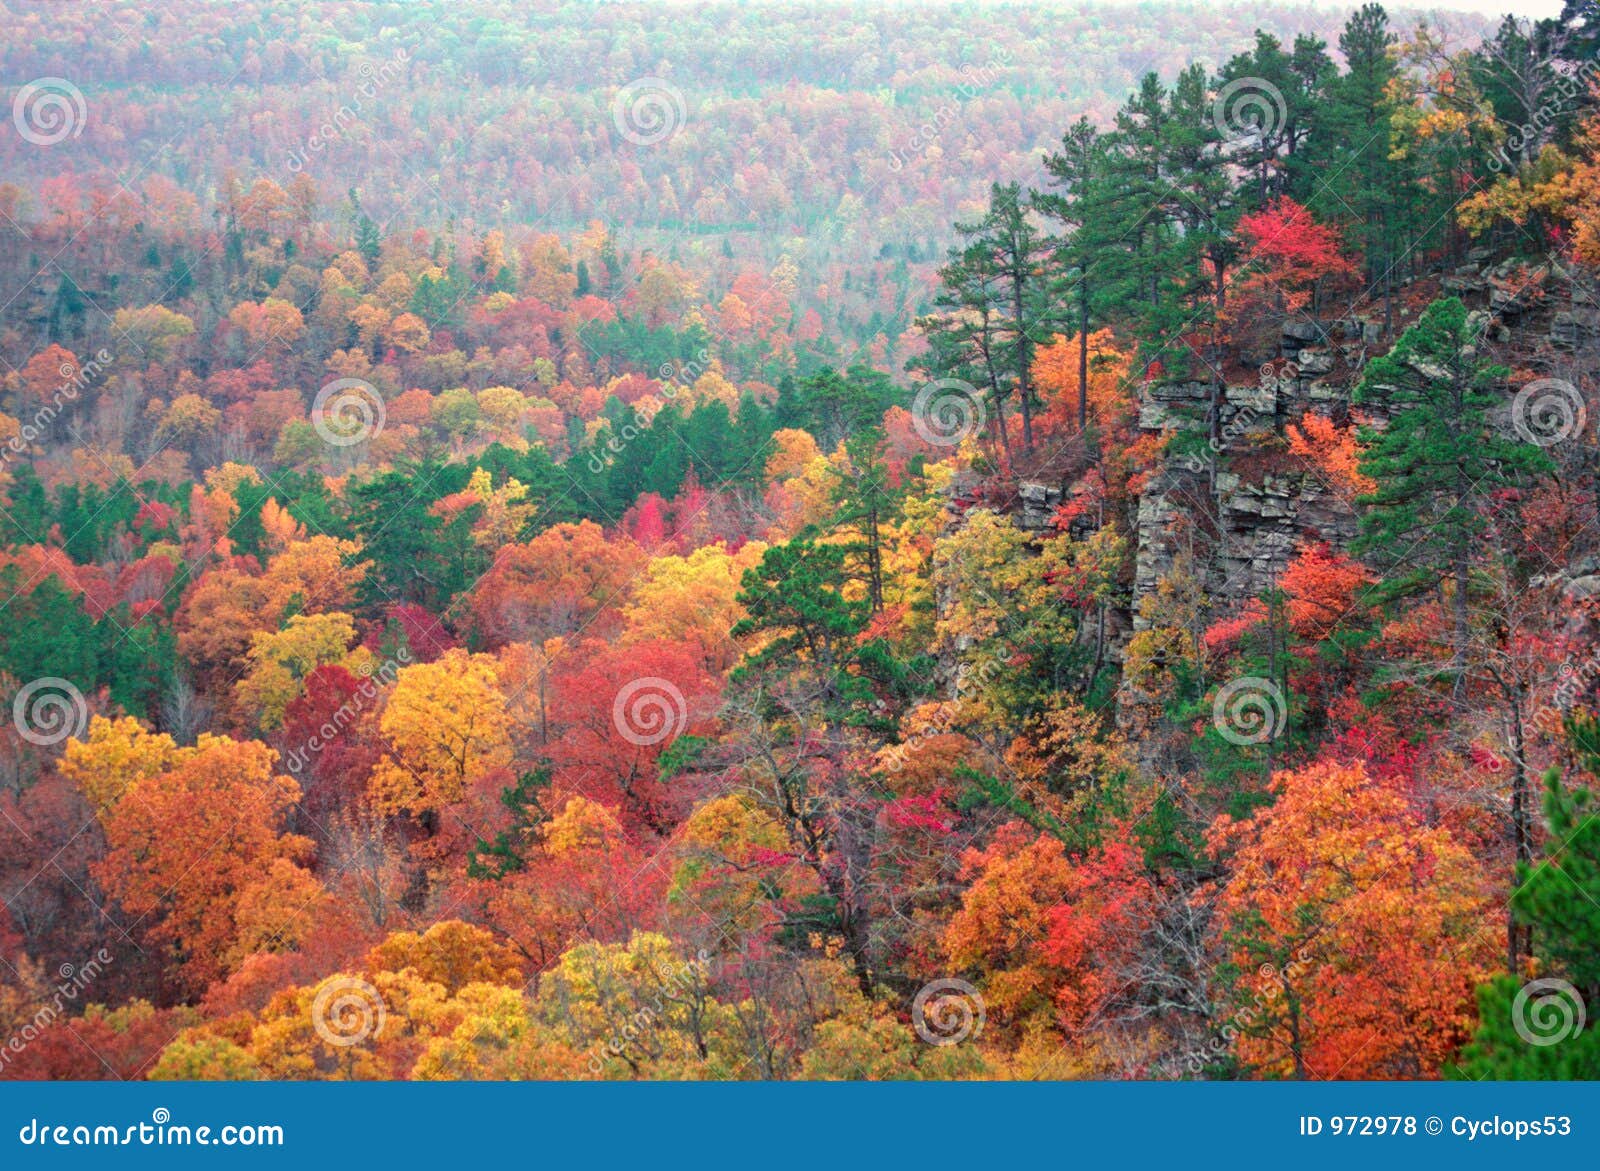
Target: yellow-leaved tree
<point x="280" y="659"/>
<point x="446" y="724"/>
<point x="115" y="755"/>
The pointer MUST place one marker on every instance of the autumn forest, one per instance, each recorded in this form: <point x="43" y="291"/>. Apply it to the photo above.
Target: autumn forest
<point x="576" y="542"/>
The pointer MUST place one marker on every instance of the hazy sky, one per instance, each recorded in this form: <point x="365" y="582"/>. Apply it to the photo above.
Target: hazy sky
<point x="1536" y="8"/>
<point x="1526" y="8"/>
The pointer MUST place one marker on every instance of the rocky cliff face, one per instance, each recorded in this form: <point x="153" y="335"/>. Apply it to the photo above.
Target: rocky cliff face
<point x="1235" y="499"/>
<point x="1232" y="493"/>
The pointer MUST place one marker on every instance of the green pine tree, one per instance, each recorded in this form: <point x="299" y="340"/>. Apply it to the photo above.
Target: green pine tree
<point x="1355" y="175"/>
<point x="1438" y="461"/>
<point x="1537" y="1030"/>
<point x="995" y="307"/>
<point x="864" y="501"/>
<point x="1078" y="209"/>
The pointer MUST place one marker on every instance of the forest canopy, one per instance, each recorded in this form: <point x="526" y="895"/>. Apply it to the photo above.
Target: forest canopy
<point x="583" y="544"/>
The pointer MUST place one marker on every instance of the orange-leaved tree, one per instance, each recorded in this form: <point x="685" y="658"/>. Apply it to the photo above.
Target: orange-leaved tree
<point x="187" y="848"/>
<point x="1354" y="931"/>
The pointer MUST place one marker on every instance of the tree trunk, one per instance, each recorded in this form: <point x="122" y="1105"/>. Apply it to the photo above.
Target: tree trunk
<point x="874" y="559"/>
<point x="1023" y="390"/>
<point x="1083" y="354"/>
<point x="1519" y="939"/>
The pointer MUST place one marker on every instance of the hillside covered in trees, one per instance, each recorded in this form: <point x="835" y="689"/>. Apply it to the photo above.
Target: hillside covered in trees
<point x="845" y="163"/>
<point x="580" y="544"/>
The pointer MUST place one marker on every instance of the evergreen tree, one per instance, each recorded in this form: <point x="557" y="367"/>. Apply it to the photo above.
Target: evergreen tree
<point x="1315" y="76"/>
<point x="368" y="240"/>
<point x="1438" y="461"/>
<point x="46" y="632"/>
<point x="1358" y="175"/>
<point x="1168" y="213"/>
<point x="751" y="445"/>
<point x="798" y="596"/>
<point x="1276" y="97"/>
<point x="964" y="333"/>
<point x="507" y="853"/>
<point x="1535" y="1030"/>
<point x="864" y="502"/>
<point x="833" y="405"/>
<point x="416" y="556"/>
<point x="1076" y="170"/>
<point x="1201" y="206"/>
<point x="1000" y="275"/>
<point x="1136" y="192"/>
